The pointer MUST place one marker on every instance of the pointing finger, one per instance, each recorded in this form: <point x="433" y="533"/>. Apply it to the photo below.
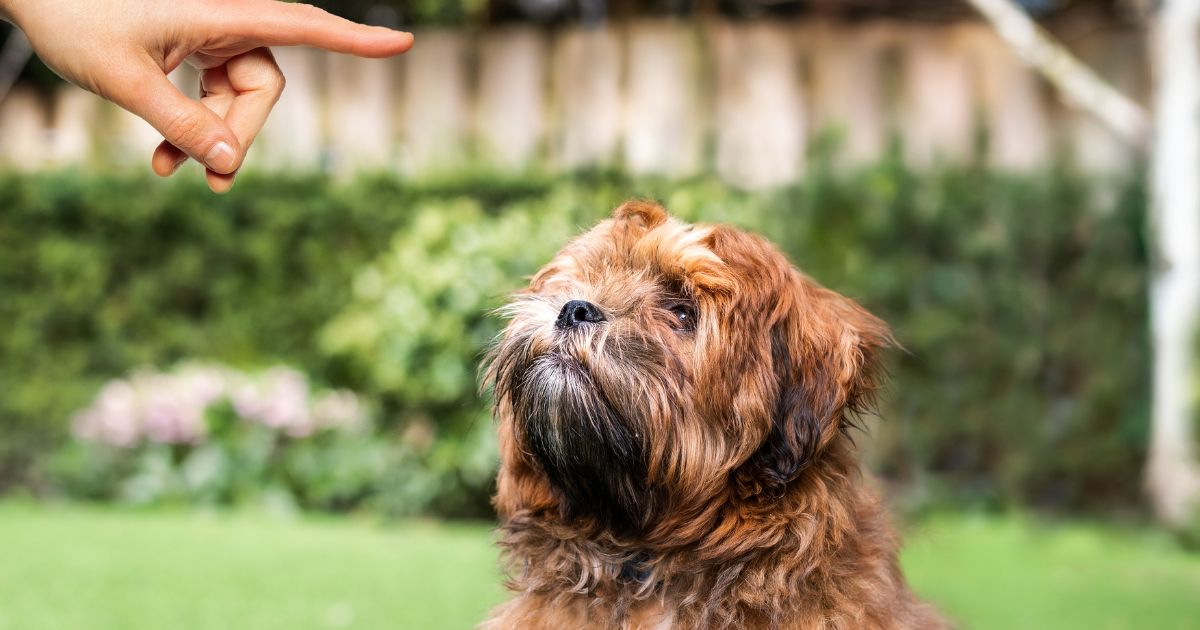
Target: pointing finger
<point x="274" y="23"/>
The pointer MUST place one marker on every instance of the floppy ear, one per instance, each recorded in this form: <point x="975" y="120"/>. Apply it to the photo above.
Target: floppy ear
<point x="825" y="353"/>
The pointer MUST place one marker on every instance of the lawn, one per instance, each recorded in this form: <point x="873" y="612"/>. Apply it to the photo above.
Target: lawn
<point x="92" y="568"/>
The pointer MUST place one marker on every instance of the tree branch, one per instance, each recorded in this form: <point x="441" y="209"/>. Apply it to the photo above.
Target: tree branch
<point x="1082" y="87"/>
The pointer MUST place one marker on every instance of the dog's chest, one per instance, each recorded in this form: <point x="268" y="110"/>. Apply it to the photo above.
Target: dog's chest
<point x="652" y="616"/>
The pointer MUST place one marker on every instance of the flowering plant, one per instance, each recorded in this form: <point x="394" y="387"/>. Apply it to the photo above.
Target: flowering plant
<point x="176" y="407"/>
<point x="207" y="433"/>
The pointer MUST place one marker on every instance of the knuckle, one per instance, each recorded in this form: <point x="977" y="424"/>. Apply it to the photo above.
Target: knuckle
<point x="185" y="128"/>
<point x="262" y="76"/>
<point x="309" y="10"/>
<point x="275" y="80"/>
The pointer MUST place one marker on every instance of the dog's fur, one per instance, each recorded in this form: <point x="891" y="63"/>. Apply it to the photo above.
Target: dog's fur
<point x="656" y="474"/>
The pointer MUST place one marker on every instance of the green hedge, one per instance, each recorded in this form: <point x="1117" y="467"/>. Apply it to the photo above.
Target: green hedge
<point x="1020" y="300"/>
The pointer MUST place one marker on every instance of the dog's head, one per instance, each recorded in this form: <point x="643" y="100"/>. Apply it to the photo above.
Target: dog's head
<point x="657" y="368"/>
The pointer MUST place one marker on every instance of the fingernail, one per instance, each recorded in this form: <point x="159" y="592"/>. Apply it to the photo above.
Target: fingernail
<point x="221" y="158"/>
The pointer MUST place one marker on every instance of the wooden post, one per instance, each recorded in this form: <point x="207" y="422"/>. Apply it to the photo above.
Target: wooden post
<point x="663" y="124"/>
<point x="437" y="108"/>
<point x="760" y="111"/>
<point x="511" y="107"/>
<point x="362" y="127"/>
<point x="23" y="131"/>
<point x="587" y="98"/>
<point x="292" y="138"/>
<point x="1118" y="58"/>
<point x="847" y="86"/>
<point x="938" y="109"/>
<point x="1015" y="102"/>
<point x="75" y="120"/>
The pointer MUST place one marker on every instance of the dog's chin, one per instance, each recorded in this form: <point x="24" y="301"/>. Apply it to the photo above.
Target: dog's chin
<point x="590" y="453"/>
<point x="557" y="370"/>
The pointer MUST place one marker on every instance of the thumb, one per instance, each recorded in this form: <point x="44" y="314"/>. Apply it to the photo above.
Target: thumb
<point x="183" y="122"/>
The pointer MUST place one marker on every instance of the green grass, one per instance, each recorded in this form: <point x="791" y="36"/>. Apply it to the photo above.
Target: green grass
<point x="84" y="569"/>
<point x="1020" y="573"/>
<point x="95" y="568"/>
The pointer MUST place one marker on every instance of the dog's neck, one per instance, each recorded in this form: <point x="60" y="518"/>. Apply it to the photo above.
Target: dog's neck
<point x="635" y="570"/>
<point x="742" y="543"/>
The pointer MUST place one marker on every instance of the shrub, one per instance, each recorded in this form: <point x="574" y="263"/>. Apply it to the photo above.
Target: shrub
<point x="1020" y="301"/>
<point x="209" y="434"/>
<point x="99" y="275"/>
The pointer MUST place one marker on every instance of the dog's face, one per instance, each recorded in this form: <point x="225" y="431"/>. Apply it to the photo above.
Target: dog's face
<point x="655" y="371"/>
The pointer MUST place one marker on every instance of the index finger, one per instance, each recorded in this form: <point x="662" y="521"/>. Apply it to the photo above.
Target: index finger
<point x="273" y="23"/>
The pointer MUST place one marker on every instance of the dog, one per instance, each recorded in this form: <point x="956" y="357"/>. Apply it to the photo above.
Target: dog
<point x="673" y="404"/>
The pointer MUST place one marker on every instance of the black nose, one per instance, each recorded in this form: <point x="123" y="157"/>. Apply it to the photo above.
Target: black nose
<point x="577" y="312"/>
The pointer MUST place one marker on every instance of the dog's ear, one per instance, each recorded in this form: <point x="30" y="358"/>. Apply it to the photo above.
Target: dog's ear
<point x="645" y="214"/>
<point x="825" y="351"/>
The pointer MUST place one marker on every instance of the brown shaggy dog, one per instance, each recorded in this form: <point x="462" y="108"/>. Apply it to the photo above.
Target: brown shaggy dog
<point x="672" y="404"/>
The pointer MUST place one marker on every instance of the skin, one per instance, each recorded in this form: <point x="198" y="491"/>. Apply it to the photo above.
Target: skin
<point x="123" y="50"/>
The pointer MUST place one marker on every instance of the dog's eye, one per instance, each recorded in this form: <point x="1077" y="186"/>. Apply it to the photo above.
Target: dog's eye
<point x="685" y="316"/>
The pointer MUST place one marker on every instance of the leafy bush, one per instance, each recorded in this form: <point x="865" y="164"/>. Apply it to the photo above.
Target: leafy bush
<point x="1020" y="301"/>
<point x="100" y="275"/>
<point x="1022" y="304"/>
<point x="209" y="434"/>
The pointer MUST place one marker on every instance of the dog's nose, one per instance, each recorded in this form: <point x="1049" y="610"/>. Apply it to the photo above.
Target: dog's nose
<point x="576" y="312"/>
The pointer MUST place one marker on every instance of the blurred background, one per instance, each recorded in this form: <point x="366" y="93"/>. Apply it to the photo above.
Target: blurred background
<point x="261" y="409"/>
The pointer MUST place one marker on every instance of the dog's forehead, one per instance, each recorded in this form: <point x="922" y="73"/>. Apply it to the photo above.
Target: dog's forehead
<point x="668" y="251"/>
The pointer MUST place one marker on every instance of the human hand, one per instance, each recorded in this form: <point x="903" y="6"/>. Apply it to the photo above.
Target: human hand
<point x="123" y="50"/>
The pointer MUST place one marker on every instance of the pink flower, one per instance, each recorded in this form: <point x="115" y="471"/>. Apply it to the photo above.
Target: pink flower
<point x="277" y="400"/>
<point x="112" y="418"/>
<point x="170" y="408"/>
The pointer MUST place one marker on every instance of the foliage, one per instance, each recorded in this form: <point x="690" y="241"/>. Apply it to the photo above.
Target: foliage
<point x="1022" y="305"/>
<point x="101" y="275"/>
<point x="206" y="434"/>
<point x="1019" y="299"/>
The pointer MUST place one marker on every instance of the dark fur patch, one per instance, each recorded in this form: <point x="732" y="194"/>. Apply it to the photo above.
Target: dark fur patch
<point x="589" y="452"/>
<point x="795" y="427"/>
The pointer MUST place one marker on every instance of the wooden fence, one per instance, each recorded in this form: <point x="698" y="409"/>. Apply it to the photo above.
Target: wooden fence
<point x="745" y="100"/>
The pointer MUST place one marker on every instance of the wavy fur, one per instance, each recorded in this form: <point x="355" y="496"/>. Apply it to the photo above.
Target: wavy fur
<point x="655" y="475"/>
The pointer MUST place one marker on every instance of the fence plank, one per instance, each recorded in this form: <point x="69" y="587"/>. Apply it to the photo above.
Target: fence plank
<point x="760" y="112"/>
<point x="511" y="108"/>
<point x="130" y="140"/>
<point x="292" y="139"/>
<point x="937" y="108"/>
<point x="652" y="95"/>
<point x="587" y="97"/>
<point x="847" y="84"/>
<point x="76" y="113"/>
<point x="1014" y="100"/>
<point x="436" y="103"/>
<point x="1119" y="58"/>
<point x="362" y="113"/>
<point x="23" y="130"/>
<point x="663" y="124"/>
